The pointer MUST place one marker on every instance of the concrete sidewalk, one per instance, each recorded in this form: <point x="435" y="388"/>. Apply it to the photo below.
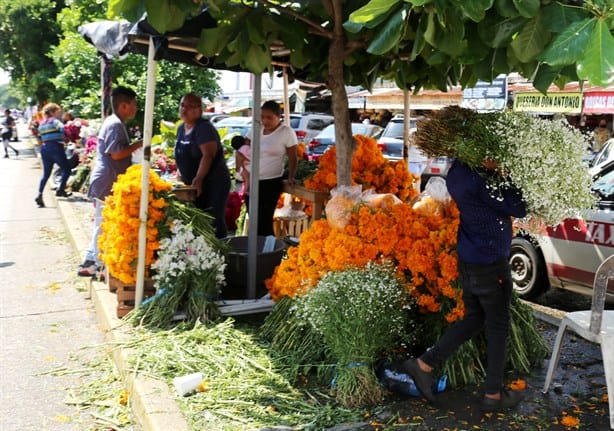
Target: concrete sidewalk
<point x="45" y="321"/>
<point x="151" y="400"/>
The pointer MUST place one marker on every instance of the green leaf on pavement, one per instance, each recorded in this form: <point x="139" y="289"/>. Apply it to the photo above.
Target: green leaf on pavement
<point x="388" y="37"/>
<point x="597" y="64"/>
<point x="569" y="46"/>
<point x="476" y="9"/>
<point x="531" y="40"/>
<point x="527" y="8"/>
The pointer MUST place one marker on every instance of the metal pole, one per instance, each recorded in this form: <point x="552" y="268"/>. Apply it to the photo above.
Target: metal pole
<point x="252" y="234"/>
<point x="286" y="98"/>
<point x="406" y="123"/>
<point x="150" y="93"/>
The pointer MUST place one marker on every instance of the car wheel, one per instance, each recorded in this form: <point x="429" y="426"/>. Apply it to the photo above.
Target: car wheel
<point x="528" y="269"/>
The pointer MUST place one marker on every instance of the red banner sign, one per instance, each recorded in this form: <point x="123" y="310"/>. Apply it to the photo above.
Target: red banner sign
<point x="599" y="102"/>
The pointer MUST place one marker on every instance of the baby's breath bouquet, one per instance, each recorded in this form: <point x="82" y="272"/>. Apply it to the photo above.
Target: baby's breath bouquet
<point x="359" y="313"/>
<point x="189" y="273"/>
<point x="543" y="158"/>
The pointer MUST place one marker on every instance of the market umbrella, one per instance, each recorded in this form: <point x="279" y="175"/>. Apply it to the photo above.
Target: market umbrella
<point x="180" y="46"/>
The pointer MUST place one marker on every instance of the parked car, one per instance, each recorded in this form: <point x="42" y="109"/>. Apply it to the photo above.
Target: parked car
<point x="232" y="126"/>
<point x="568" y="255"/>
<point x="214" y="118"/>
<point x="604" y="156"/>
<point x="435" y="167"/>
<point x="391" y="140"/>
<point x="326" y="138"/>
<point x="308" y="125"/>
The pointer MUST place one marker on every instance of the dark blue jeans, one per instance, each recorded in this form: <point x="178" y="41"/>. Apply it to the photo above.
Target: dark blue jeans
<point x="51" y="153"/>
<point x="487" y="291"/>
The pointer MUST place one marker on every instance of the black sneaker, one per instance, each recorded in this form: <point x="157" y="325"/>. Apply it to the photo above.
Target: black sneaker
<point x="508" y="400"/>
<point x="87" y="269"/>
<point x="63" y="193"/>
<point x="39" y="201"/>
<point x="424" y="381"/>
<point x="16" y="153"/>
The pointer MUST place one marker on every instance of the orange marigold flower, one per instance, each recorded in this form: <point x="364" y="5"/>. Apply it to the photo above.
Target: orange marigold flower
<point x="570" y="421"/>
<point x="518" y="385"/>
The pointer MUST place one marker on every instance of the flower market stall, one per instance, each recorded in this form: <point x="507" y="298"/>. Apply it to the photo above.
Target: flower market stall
<point x="413" y="240"/>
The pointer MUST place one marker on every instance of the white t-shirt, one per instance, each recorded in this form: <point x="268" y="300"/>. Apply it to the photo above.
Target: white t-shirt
<point x="273" y="150"/>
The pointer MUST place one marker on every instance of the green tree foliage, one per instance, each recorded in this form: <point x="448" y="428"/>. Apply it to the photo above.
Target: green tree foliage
<point x="78" y="85"/>
<point x="418" y="43"/>
<point x="28" y="29"/>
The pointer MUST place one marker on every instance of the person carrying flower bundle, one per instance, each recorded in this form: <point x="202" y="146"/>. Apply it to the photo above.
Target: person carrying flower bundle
<point x="200" y="161"/>
<point x="484" y="242"/>
<point x="277" y="141"/>
<point x="113" y="157"/>
<point x="51" y="135"/>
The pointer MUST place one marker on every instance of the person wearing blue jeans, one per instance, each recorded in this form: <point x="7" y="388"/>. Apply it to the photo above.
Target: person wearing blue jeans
<point x="113" y="157"/>
<point x="51" y="135"/>
<point x="484" y="242"/>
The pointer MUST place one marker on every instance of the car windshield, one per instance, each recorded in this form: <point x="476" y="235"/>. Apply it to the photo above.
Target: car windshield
<point x="394" y="129"/>
<point x="294" y="122"/>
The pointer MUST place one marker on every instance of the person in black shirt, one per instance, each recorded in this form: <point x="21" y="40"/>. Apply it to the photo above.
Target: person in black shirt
<point x="200" y="160"/>
<point x="484" y="242"/>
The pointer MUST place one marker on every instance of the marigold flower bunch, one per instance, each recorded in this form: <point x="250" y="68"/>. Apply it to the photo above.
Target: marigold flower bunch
<point x="118" y="240"/>
<point x="421" y="246"/>
<point x="369" y="168"/>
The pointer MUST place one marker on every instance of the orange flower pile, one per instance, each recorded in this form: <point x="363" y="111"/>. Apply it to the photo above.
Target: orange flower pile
<point x="118" y="241"/>
<point x="421" y="246"/>
<point x="369" y="168"/>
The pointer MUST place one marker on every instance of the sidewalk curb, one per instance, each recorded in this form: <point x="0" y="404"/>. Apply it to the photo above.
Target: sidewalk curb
<point x="151" y="400"/>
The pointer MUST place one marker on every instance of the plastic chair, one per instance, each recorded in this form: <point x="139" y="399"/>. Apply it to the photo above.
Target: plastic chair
<point x="597" y="326"/>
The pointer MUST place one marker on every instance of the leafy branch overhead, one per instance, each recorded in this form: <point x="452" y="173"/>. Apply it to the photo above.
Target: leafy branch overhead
<point x="418" y="43"/>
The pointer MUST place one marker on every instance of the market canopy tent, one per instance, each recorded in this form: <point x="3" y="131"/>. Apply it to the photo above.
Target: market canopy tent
<point x="117" y="38"/>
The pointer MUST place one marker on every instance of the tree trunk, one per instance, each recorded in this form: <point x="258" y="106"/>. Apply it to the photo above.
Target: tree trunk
<point x="336" y="83"/>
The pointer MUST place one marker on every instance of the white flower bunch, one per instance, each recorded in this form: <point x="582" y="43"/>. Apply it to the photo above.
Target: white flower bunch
<point x="183" y="252"/>
<point x="544" y="159"/>
<point x="359" y="313"/>
<point x="367" y="304"/>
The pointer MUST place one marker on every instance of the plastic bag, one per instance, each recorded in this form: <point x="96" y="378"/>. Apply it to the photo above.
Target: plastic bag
<point x="433" y="199"/>
<point x="379" y="200"/>
<point x="339" y="207"/>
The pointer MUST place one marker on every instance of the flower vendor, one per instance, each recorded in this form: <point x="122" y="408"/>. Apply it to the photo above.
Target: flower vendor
<point x="277" y="140"/>
<point x="113" y="157"/>
<point x="484" y="241"/>
<point x="200" y="160"/>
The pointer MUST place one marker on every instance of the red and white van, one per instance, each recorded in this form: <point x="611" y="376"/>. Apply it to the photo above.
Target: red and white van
<point x="568" y="255"/>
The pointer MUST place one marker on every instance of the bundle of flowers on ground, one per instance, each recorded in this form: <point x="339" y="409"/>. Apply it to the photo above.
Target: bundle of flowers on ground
<point x="541" y="157"/>
<point x="420" y="242"/>
<point x="358" y="313"/>
<point x="369" y="169"/>
<point x="188" y="276"/>
<point x="178" y="233"/>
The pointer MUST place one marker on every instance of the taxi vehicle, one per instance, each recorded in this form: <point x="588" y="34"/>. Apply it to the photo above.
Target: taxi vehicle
<point x="568" y="255"/>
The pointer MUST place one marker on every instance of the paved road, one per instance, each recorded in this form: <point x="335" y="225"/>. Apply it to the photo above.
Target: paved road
<point x="45" y="316"/>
